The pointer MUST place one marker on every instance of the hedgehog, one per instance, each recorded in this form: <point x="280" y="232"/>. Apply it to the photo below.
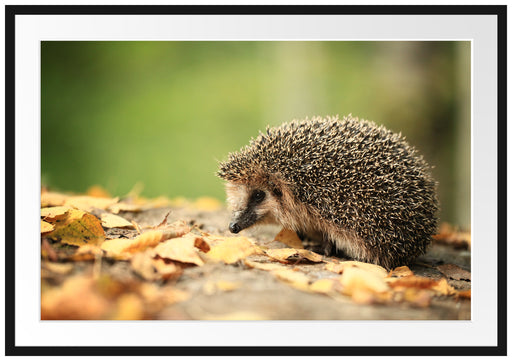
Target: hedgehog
<point x="357" y="188"/>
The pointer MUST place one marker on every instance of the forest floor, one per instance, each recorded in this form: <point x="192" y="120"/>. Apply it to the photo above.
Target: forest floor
<point x="105" y="258"/>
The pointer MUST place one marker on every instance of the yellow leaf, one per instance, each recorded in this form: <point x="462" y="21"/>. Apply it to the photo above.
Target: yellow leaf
<point x="124" y="247"/>
<point x="50" y="199"/>
<point x="341" y="267"/>
<point x="88" y="203"/>
<point x="264" y="266"/>
<point x="402" y="271"/>
<point x="283" y="254"/>
<point x="60" y="268"/>
<point x="444" y="288"/>
<point x="109" y="220"/>
<point x="464" y="294"/>
<point x="181" y="249"/>
<point x="354" y="279"/>
<point x="289" y="238"/>
<point x="78" y="228"/>
<point x="51" y="214"/>
<point x="233" y="249"/>
<point x="325" y="285"/>
<point x="46" y="227"/>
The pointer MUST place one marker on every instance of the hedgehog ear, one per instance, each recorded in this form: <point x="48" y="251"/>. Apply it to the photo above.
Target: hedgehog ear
<point x="274" y="189"/>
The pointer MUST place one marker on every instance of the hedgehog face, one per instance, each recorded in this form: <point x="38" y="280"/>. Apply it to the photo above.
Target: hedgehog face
<point x="250" y="205"/>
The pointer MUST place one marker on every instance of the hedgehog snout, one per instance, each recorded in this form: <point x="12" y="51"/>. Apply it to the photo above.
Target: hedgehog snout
<point x="234" y="227"/>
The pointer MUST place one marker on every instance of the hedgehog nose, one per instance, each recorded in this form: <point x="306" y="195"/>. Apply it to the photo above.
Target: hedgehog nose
<point x="234" y="227"/>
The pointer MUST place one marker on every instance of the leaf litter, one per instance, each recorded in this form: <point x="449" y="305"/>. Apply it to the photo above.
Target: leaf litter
<point x="159" y="256"/>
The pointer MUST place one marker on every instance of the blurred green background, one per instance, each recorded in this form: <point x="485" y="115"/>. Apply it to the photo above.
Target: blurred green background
<point x="164" y="113"/>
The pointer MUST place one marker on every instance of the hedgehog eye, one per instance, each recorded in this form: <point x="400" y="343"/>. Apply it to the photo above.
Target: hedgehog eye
<point x="258" y="195"/>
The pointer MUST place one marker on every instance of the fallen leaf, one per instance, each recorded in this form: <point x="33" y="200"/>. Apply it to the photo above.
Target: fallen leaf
<point x="355" y="278"/>
<point x="264" y="266"/>
<point x="454" y="272"/>
<point x="181" y="249"/>
<point x="286" y="254"/>
<point x="51" y="214"/>
<point x="123" y="248"/>
<point x="412" y="282"/>
<point x="341" y="267"/>
<point x="167" y="270"/>
<point x="289" y="238"/>
<point x="230" y="250"/>
<point x="46" y="227"/>
<point x="50" y="199"/>
<point x="444" y="288"/>
<point x="88" y="203"/>
<point x="109" y="220"/>
<point x="402" y="271"/>
<point x="324" y="285"/>
<point x="464" y="294"/>
<point x="417" y="297"/>
<point x="78" y="228"/>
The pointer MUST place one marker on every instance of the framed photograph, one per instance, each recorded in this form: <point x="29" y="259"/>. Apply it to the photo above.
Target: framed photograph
<point x="255" y="180"/>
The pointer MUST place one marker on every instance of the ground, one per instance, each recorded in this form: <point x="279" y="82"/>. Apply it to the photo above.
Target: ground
<point x="102" y="281"/>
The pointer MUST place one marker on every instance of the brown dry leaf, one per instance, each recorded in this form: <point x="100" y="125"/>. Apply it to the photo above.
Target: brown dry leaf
<point x="444" y="288"/>
<point x="167" y="270"/>
<point x="412" y="282"/>
<point x="402" y="271"/>
<point x="341" y="267"/>
<point x="76" y="299"/>
<point x="51" y="214"/>
<point x="78" y="228"/>
<point x="464" y="294"/>
<point x="88" y="203"/>
<point x="123" y="206"/>
<point x="129" y="307"/>
<point x="143" y="264"/>
<point x="451" y="235"/>
<point x="109" y="220"/>
<point x="325" y="285"/>
<point x="284" y="255"/>
<point x="289" y="238"/>
<point x="207" y="204"/>
<point x="181" y="249"/>
<point x="123" y="248"/>
<point x="364" y="286"/>
<point x="46" y="227"/>
<point x="454" y="272"/>
<point x="264" y="266"/>
<point x="51" y="199"/>
<point x="98" y="191"/>
<point x="230" y="250"/>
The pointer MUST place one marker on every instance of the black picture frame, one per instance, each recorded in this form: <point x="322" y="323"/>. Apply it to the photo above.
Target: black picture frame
<point x="11" y="349"/>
